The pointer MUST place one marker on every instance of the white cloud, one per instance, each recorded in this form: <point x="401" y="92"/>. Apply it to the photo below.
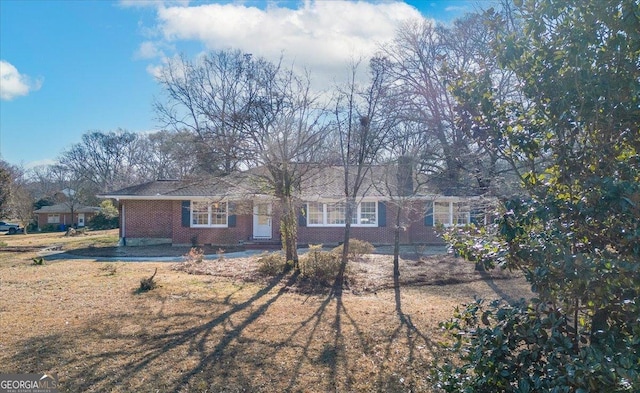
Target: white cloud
<point x="149" y="50"/>
<point x="323" y="36"/>
<point x="155" y="70"/>
<point x="13" y="84"/>
<point x="457" y="8"/>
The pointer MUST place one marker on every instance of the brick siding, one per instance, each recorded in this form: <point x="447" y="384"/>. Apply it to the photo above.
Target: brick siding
<point x="147" y="219"/>
<point x="414" y="231"/>
<point x="216" y="236"/>
<point x="65" y="219"/>
<point x="163" y="219"/>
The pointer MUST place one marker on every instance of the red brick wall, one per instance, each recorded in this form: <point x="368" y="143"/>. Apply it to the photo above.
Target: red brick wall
<point x="414" y="231"/>
<point x="65" y="219"/>
<point x="146" y="219"/>
<point x="163" y="219"/>
<point x="216" y="236"/>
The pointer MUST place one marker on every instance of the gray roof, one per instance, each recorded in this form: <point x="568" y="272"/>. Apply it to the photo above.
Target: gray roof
<point x="378" y="181"/>
<point x="220" y="187"/>
<point x="320" y="182"/>
<point x="65" y="208"/>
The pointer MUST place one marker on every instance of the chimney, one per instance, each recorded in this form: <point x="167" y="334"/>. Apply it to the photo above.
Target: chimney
<point x="405" y="176"/>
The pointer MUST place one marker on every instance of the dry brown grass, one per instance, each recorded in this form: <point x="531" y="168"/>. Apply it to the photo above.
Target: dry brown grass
<point x="225" y="333"/>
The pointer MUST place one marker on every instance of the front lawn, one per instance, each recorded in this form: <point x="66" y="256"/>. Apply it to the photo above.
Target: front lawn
<point x="85" y="321"/>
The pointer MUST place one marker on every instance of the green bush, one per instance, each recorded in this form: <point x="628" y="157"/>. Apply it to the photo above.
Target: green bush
<point x="528" y="348"/>
<point x="357" y="248"/>
<point x="320" y="266"/>
<point x="32" y="226"/>
<point x="102" y="221"/>
<point x="50" y="228"/>
<point x="271" y="264"/>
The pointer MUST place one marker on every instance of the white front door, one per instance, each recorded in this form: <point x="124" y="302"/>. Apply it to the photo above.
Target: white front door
<point x="262" y="221"/>
<point x="80" y="219"/>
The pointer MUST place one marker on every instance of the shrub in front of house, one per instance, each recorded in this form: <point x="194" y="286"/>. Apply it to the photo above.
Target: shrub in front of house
<point x="272" y="263"/>
<point x="102" y="221"/>
<point x="50" y="228"/>
<point x="320" y="266"/>
<point x="195" y="255"/>
<point x="357" y="248"/>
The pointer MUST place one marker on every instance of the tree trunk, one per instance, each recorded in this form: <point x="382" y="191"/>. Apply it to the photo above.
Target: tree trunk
<point x="289" y="231"/>
<point x="396" y="247"/>
<point x="351" y="201"/>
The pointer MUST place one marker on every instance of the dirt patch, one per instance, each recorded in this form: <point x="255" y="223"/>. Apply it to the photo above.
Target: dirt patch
<point x="367" y="274"/>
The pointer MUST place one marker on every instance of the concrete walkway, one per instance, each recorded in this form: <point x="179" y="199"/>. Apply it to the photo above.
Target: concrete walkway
<point x="53" y="255"/>
<point x="59" y="255"/>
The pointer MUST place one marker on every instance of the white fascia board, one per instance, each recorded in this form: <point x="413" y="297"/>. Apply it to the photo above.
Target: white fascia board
<point x="167" y="198"/>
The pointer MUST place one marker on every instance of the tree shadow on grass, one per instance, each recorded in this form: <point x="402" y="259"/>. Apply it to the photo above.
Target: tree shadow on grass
<point x="142" y="351"/>
<point x="415" y="341"/>
<point x="491" y="282"/>
<point x="227" y="345"/>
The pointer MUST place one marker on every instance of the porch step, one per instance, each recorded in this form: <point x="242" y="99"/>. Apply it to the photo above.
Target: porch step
<point x="262" y="244"/>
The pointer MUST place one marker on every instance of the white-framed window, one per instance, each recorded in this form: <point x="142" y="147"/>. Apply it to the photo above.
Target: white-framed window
<point x="315" y="213"/>
<point x="334" y="214"/>
<point x="449" y="213"/>
<point x="53" y="218"/>
<point x="209" y="214"/>
<point x="368" y="213"/>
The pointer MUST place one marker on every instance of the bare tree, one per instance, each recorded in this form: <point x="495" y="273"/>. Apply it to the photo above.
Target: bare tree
<point x="211" y="98"/>
<point x="5" y="183"/>
<point x="20" y="202"/>
<point x="471" y="70"/>
<point x="402" y="180"/>
<point x="248" y="113"/>
<point x="285" y="134"/>
<point x="418" y="55"/>
<point x="432" y="65"/>
<point x="364" y="118"/>
<point x="106" y="160"/>
<point x="73" y="192"/>
<point x="168" y="155"/>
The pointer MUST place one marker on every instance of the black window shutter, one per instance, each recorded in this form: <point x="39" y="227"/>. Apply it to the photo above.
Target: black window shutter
<point x="382" y="214"/>
<point x="186" y="213"/>
<point x="302" y="217"/>
<point x="231" y="219"/>
<point x="428" y="217"/>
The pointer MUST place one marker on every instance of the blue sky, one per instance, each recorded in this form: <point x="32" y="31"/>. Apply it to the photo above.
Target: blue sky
<point x="68" y="67"/>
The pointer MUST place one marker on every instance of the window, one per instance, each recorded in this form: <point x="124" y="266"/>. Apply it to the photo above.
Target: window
<point x="451" y="213"/>
<point x="53" y="219"/>
<point x="199" y="213"/>
<point x="441" y="213"/>
<point x="334" y="214"/>
<point x="461" y="213"/>
<point x="368" y="213"/>
<point x="315" y="213"/>
<point x="208" y="214"/>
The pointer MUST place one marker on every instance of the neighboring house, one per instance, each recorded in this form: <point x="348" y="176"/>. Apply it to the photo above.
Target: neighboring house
<point x="232" y="210"/>
<point x="60" y="215"/>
